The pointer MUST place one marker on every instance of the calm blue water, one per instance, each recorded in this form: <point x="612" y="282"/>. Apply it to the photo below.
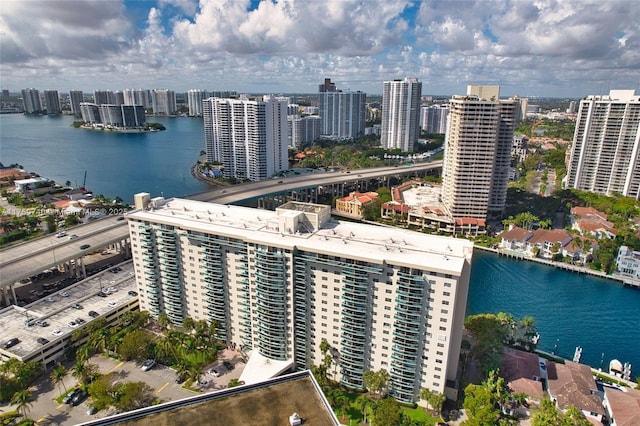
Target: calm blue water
<point x="116" y="164"/>
<point x="570" y="309"/>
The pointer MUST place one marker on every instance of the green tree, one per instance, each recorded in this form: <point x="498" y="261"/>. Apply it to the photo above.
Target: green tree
<point x="435" y="400"/>
<point x="135" y="345"/>
<point x="363" y="403"/>
<point x="548" y="415"/>
<point x="234" y="382"/>
<point x="376" y="381"/>
<point x="479" y="406"/>
<point x="58" y="375"/>
<point x="387" y="413"/>
<point x="133" y="395"/>
<point x="22" y="401"/>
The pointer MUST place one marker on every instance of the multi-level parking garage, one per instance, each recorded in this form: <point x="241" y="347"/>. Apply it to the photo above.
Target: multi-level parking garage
<point x="24" y="260"/>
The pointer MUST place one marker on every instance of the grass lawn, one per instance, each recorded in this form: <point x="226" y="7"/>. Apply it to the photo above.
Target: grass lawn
<point x="421" y="415"/>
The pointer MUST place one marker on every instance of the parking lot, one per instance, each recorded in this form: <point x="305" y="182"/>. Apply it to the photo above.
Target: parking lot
<point x="160" y="378"/>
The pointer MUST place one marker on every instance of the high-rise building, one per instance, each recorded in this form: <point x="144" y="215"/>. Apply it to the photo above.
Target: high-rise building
<point x="605" y="153"/>
<point x="327" y="86"/>
<point x="194" y="100"/>
<point x="52" y="101"/>
<point x="90" y="112"/>
<point x="118" y="97"/>
<point x="31" y="101"/>
<point x="401" y="114"/>
<point x="137" y="97"/>
<point x="303" y="130"/>
<point x="342" y="114"/>
<point x="249" y="137"/>
<point x="433" y="118"/>
<point x="76" y="97"/>
<point x="103" y="97"/>
<point x="477" y="157"/>
<point x="163" y="102"/>
<point x="280" y="283"/>
<point x="122" y="115"/>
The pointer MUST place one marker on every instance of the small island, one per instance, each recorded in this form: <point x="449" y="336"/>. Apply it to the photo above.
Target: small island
<point x="147" y="127"/>
<point x="115" y="118"/>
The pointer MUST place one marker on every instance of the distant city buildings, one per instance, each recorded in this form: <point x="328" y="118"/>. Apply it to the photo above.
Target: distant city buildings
<point x="103" y="97"/>
<point x="280" y="283"/>
<point x="31" y="101"/>
<point x="76" y="97"/>
<point x="433" y="118"/>
<point x="248" y="137"/>
<point x="137" y="97"/>
<point x="342" y="113"/>
<point x="477" y="157"/>
<point x="194" y="101"/>
<point x="163" y="102"/>
<point x="401" y="114"/>
<point x="52" y="102"/>
<point x="303" y="130"/>
<point x="605" y="153"/>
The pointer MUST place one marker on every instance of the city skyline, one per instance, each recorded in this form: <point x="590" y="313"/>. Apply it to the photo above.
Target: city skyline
<point x="551" y="48"/>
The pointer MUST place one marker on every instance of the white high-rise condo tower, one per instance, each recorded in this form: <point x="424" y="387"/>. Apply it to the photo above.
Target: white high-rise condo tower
<point x="280" y="283"/>
<point x="605" y="153"/>
<point x="401" y="114"/>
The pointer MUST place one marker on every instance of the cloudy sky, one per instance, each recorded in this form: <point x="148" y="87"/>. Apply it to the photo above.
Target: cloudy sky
<point x="531" y="48"/>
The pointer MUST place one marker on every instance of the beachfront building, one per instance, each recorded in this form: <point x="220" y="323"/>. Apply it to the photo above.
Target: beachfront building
<point x="248" y="137"/>
<point x="605" y="153"/>
<point x="163" y="102"/>
<point x="90" y="112"/>
<point x="137" y="97"/>
<point x="122" y="116"/>
<point x="401" y="114"/>
<point x="589" y="221"/>
<point x="477" y="158"/>
<point x="104" y="97"/>
<point x="280" y="283"/>
<point x="572" y="384"/>
<point x="31" y="101"/>
<point x="76" y="97"/>
<point x="52" y="102"/>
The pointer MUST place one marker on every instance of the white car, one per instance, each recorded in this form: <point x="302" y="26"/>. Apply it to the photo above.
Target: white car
<point x="112" y="304"/>
<point x="148" y="365"/>
<point x="203" y="382"/>
<point x="72" y="324"/>
<point x="213" y="372"/>
<point x="61" y="234"/>
<point x="56" y="332"/>
<point x="73" y="236"/>
<point x="64" y="294"/>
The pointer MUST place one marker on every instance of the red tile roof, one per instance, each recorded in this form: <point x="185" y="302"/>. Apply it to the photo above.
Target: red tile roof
<point x="588" y="211"/>
<point x="518" y="369"/>
<point x="625" y="406"/>
<point x="517" y="233"/>
<point x="550" y="235"/>
<point x="572" y="384"/>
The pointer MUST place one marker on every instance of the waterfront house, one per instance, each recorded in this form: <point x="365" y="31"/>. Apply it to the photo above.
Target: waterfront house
<point x="522" y="373"/>
<point x="589" y="221"/>
<point x="515" y="239"/>
<point x="572" y="384"/>
<point x="623" y="406"/>
<point x="547" y="242"/>
<point x="8" y="176"/>
<point x="353" y="204"/>
<point x="628" y="263"/>
<point x="580" y="249"/>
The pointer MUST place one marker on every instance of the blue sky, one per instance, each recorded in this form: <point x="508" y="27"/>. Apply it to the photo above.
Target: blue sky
<point x="530" y="48"/>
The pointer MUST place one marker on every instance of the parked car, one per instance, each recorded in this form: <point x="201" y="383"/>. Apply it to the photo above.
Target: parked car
<point x="76" y="306"/>
<point x="79" y="397"/>
<point x="11" y="343"/>
<point x="132" y="293"/>
<point x="93" y="314"/>
<point x="72" y="324"/>
<point x="227" y="365"/>
<point x="56" y="332"/>
<point x="213" y="372"/>
<point x="148" y="365"/>
<point x="112" y="304"/>
<point x="68" y="397"/>
<point x="42" y="323"/>
<point x="91" y="411"/>
<point x="80" y="321"/>
<point x="42" y="340"/>
<point x="64" y="294"/>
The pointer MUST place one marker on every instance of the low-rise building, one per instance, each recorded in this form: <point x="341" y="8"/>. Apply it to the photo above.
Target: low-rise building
<point x="623" y="406"/>
<point x="523" y="372"/>
<point x="589" y="221"/>
<point x="572" y="384"/>
<point x="353" y="204"/>
<point x="628" y="263"/>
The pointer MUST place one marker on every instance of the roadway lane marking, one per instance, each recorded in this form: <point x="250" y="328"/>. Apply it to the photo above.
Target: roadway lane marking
<point x="59" y="406"/>
<point x="162" y="387"/>
<point x="116" y="366"/>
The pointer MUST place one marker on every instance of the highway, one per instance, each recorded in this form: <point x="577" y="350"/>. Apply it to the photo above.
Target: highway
<point x="29" y="258"/>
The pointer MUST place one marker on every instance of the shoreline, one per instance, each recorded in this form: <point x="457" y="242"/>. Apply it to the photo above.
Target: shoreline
<point x="561" y="265"/>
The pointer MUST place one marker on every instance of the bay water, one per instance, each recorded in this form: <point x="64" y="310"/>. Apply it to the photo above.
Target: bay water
<point x="570" y="309"/>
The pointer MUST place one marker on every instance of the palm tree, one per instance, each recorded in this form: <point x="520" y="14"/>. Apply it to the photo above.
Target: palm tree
<point x="58" y="374"/>
<point x="22" y="400"/>
<point x="362" y="403"/>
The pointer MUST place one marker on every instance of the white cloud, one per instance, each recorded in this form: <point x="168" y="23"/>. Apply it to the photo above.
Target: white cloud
<point x="537" y="46"/>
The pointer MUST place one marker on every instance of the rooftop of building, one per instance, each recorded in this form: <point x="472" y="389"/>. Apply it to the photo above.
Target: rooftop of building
<point x="262" y="404"/>
<point x="519" y="369"/>
<point x="624" y="406"/>
<point x="377" y="244"/>
<point x="573" y="384"/>
<point x="58" y="311"/>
